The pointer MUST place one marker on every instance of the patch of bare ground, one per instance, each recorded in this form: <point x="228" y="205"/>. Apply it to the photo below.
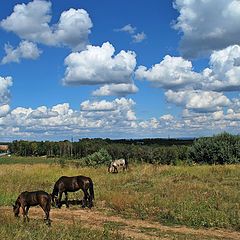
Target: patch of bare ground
<point x="134" y="229"/>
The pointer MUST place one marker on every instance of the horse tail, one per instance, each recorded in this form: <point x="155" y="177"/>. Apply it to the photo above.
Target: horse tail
<point x="49" y="201"/>
<point x="109" y="166"/>
<point x="91" y="190"/>
<point x="126" y="164"/>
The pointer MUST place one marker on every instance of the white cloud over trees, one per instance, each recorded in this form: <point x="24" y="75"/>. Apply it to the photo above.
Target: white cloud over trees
<point x="209" y="28"/>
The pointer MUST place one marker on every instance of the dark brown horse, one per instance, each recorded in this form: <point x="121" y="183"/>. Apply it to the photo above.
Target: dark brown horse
<point x="72" y="184"/>
<point x="27" y="199"/>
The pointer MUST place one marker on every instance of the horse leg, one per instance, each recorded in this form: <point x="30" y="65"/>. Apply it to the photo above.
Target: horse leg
<point x="85" y="198"/>
<point x="46" y="209"/>
<point x="23" y="213"/>
<point x="90" y="201"/>
<point x="47" y="219"/>
<point x="27" y="208"/>
<point x="66" y="199"/>
<point x="59" y="204"/>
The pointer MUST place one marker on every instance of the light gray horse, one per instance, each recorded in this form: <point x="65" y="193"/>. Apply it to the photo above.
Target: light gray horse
<point x="116" y="164"/>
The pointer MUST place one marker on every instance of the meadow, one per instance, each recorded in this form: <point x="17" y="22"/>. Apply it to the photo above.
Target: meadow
<point x="199" y="196"/>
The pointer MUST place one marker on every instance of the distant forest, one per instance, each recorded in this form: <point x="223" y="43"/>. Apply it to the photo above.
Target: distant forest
<point x="219" y="149"/>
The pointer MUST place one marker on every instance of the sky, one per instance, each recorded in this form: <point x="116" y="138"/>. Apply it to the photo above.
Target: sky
<point x="72" y="69"/>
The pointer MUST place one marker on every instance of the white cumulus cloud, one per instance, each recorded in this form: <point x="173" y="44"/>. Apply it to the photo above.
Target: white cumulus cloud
<point x="5" y="84"/>
<point x="198" y="100"/>
<point x="97" y="106"/>
<point x="207" y="25"/>
<point x="137" y="37"/>
<point x="224" y="71"/>
<point x="170" y="73"/>
<point x="25" y="50"/>
<point x="99" y="65"/>
<point x="4" y="109"/>
<point x="32" y="22"/>
<point x="121" y="89"/>
<point x="59" y="121"/>
<point x="127" y="28"/>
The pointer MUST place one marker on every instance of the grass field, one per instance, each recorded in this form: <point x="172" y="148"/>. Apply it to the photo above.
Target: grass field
<point x="26" y="160"/>
<point x="195" y="196"/>
<point x="35" y="230"/>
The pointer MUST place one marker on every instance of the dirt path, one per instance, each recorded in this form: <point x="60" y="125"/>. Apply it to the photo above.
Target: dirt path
<point x="136" y="229"/>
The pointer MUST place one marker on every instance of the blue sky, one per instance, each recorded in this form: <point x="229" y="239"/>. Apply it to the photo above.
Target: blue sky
<point x="118" y="69"/>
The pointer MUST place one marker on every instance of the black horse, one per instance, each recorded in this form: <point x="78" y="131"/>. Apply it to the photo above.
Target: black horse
<point x="27" y="199"/>
<point x="72" y="184"/>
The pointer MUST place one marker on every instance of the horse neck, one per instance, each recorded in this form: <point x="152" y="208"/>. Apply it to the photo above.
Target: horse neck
<point x="17" y="203"/>
<point x="55" y="191"/>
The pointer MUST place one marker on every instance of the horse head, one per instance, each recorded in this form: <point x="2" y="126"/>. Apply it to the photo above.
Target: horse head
<point x="16" y="209"/>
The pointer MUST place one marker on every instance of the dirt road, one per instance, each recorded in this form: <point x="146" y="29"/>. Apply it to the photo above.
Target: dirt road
<point x="136" y="229"/>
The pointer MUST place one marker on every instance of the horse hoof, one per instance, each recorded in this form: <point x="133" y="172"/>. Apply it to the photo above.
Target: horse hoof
<point x="48" y="224"/>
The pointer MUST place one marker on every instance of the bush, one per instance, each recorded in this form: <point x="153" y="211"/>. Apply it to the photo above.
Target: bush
<point x="219" y="149"/>
<point x="98" y="158"/>
<point x="166" y="155"/>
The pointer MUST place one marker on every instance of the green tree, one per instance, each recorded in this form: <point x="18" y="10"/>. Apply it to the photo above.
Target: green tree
<point x="219" y="149"/>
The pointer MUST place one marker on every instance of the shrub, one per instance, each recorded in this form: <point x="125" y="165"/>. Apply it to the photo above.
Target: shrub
<point x="219" y="149"/>
<point x="98" y="158"/>
<point x="165" y="155"/>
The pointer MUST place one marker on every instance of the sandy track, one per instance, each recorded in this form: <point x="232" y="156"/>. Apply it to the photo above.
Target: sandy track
<point x="129" y="228"/>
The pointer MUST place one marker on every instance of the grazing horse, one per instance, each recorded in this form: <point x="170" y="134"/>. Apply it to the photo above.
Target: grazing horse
<point x="27" y="199"/>
<point x="72" y="184"/>
<point x="116" y="164"/>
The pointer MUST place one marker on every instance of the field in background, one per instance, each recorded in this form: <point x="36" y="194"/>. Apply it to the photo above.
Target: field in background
<point x="195" y="196"/>
<point x="26" y="160"/>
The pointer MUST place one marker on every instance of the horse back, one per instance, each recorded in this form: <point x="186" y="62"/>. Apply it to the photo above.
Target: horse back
<point x="34" y="198"/>
<point x="84" y="181"/>
<point x="69" y="184"/>
<point x="72" y="184"/>
<point x="119" y="162"/>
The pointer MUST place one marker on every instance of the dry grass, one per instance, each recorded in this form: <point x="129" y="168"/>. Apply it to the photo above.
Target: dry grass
<point x="197" y="196"/>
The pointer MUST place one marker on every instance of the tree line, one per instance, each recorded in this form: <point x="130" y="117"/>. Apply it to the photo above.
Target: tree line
<point x="219" y="149"/>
